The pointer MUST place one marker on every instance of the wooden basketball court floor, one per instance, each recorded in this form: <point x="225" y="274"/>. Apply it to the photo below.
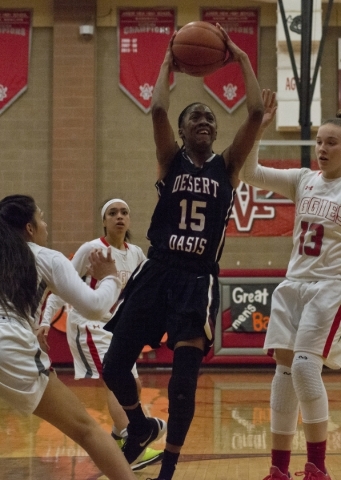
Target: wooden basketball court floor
<point x="229" y="437"/>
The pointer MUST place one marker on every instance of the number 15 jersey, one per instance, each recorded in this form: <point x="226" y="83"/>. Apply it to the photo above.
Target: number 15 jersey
<point x="193" y="209"/>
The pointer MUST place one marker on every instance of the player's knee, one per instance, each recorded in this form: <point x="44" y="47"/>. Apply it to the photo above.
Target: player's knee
<point x="181" y="395"/>
<point x="122" y="384"/>
<point x="306" y="375"/>
<point x="283" y="398"/>
<point x="111" y="374"/>
<point x="283" y="402"/>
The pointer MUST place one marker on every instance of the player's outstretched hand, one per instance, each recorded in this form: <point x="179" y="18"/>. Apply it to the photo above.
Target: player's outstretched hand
<point x="101" y="266"/>
<point x="42" y="334"/>
<point x="270" y="108"/>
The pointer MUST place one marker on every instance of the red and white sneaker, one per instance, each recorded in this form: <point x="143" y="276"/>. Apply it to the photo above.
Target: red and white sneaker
<point x="311" y="472"/>
<point x="276" y="474"/>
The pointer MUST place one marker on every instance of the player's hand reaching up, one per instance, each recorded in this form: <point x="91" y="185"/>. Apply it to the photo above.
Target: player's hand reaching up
<point x="234" y="53"/>
<point x="270" y="108"/>
<point x="169" y="58"/>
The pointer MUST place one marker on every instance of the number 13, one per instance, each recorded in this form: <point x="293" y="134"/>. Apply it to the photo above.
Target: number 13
<point x="316" y="232"/>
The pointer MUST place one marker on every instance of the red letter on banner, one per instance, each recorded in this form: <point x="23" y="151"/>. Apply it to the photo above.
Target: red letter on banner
<point x="143" y="36"/>
<point x="227" y="85"/>
<point x="15" y="37"/>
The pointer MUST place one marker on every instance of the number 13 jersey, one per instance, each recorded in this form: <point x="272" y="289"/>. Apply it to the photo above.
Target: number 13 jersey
<point x="316" y="251"/>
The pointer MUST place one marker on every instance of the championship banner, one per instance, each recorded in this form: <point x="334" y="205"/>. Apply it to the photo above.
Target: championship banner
<point x="143" y="37"/>
<point x="226" y="85"/>
<point x="260" y="213"/>
<point x="15" y="42"/>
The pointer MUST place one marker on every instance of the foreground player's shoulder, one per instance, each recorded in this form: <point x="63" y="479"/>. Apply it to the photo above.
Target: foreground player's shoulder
<point x="36" y="249"/>
<point x="48" y="260"/>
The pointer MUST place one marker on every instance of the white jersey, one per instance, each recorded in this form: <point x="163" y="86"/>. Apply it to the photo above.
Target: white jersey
<point x="58" y="276"/>
<point x="87" y="339"/>
<point x="126" y="261"/>
<point x="316" y="249"/>
<point x="24" y="367"/>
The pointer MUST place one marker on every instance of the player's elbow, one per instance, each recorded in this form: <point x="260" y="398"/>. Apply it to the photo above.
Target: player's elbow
<point x="158" y="111"/>
<point x="256" y="113"/>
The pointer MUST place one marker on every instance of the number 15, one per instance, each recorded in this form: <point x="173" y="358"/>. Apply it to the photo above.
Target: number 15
<point x="196" y="220"/>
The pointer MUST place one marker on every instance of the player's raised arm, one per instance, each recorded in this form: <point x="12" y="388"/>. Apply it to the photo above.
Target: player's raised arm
<point x="164" y="137"/>
<point x="237" y="152"/>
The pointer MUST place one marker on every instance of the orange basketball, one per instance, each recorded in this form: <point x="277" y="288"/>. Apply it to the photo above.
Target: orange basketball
<point x="199" y="48"/>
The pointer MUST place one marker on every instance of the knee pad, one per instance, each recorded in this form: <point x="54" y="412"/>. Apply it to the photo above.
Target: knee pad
<point x="283" y="402"/>
<point x="181" y="393"/>
<point x="120" y="381"/>
<point x="181" y="396"/>
<point x="306" y="375"/>
<point x="183" y="383"/>
<point x="309" y="387"/>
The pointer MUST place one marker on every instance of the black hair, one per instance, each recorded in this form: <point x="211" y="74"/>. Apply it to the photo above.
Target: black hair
<point x="17" y="211"/>
<point x="18" y="273"/>
<point x="185" y="110"/>
<point x="127" y="236"/>
<point x="183" y="113"/>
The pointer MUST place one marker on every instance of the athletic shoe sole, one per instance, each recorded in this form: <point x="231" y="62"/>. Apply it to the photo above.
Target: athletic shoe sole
<point x="134" y="448"/>
<point x="144" y="463"/>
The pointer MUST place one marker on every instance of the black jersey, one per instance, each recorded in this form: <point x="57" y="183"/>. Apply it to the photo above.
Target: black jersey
<point x="193" y="210"/>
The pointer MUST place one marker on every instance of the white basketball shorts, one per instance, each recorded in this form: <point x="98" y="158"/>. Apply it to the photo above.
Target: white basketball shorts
<point x="24" y="367"/>
<point x="88" y="343"/>
<point x="306" y="317"/>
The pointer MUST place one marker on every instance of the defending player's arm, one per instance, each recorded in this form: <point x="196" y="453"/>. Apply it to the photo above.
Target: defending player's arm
<point x="237" y="152"/>
<point x="273" y="179"/>
<point x="63" y="280"/>
<point x="54" y="303"/>
<point x="164" y="137"/>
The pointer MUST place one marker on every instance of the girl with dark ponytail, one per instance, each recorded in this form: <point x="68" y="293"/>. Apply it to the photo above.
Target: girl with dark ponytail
<point x="28" y="271"/>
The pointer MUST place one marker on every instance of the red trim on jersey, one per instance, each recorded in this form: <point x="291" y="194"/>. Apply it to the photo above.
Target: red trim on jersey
<point x="103" y="239"/>
<point x="333" y="330"/>
<point x="93" y="351"/>
<point x="93" y="283"/>
<point x="271" y="352"/>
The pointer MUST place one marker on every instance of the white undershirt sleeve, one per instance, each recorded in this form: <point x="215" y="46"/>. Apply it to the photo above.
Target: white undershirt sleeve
<point x="282" y="181"/>
<point x="63" y="280"/>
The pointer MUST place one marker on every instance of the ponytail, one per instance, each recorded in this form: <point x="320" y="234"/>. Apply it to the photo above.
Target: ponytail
<point x="18" y="273"/>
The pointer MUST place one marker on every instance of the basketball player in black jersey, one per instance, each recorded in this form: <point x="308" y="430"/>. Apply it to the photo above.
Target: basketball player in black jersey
<point x="176" y="289"/>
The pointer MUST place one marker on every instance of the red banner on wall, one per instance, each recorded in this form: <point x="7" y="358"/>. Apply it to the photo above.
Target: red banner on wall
<point x="143" y="36"/>
<point x="260" y="213"/>
<point x="15" y="41"/>
<point x="227" y="84"/>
